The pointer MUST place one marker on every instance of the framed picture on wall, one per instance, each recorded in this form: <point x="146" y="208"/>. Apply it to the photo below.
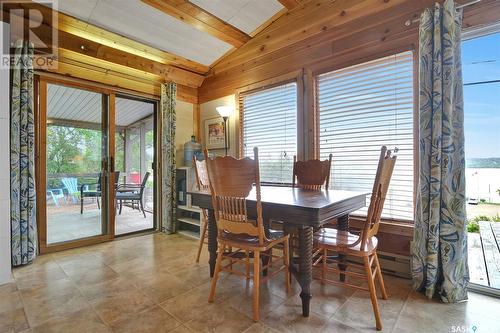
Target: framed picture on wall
<point x="214" y="133"/>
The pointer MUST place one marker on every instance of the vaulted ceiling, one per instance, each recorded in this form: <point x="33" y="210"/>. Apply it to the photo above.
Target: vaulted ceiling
<point x="200" y="31"/>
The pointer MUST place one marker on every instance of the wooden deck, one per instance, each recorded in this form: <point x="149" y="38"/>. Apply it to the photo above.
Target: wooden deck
<point x="484" y="255"/>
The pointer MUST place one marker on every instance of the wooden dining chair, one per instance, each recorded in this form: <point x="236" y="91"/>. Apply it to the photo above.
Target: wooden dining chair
<point x="201" y="173"/>
<point x="363" y="245"/>
<point x="308" y="175"/>
<point x="311" y="174"/>
<point x="231" y="181"/>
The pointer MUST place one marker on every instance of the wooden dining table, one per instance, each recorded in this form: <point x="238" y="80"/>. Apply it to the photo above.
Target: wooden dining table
<point x="298" y="209"/>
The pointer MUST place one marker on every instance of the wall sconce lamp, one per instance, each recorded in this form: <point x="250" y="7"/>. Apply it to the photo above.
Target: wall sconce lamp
<point x="225" y="111"/>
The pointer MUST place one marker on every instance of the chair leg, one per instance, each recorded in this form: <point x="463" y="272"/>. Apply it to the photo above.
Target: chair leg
<point x="256" y="284"/>
<point x="323" y="270"/>
<point x="218" y="265"/>
<point x="373" y="293"/>
<point x="142" y="208"/>
<point x="202" y="240"/>
<point x="121" y="205"/>
<point x="286" y="261"/>
<point x="81" y="205"/>
<point x="380" y="278"/>
<point x="98" y="204"/>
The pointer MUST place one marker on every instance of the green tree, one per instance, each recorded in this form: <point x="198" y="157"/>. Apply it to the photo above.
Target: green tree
<point x="62" y="149"/>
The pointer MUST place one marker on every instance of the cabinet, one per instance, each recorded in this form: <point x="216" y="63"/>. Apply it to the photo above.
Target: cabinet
<point x="188" y="216"/>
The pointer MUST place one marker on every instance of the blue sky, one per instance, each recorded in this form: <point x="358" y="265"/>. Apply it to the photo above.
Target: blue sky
<point x="481" y="62"/>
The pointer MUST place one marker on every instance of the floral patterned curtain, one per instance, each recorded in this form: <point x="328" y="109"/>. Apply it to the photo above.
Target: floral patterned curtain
<point x="169" y="197"/>
<point x="439" y="249"/>
<point x="22" y="158"/>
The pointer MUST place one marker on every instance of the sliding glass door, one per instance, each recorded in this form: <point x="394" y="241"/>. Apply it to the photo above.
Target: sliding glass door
<point x="95" y="165"/>
<point x="135" y="157"/>
<point x="74" y="166"/>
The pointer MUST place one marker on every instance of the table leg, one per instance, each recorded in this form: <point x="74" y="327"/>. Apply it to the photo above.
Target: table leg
<point x="342" y="225"/>
<point x="212" y="241"/>
<point x="305" y="267"/>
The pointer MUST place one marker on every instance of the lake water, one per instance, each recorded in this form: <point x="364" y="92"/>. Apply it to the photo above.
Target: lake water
<point x="483" y="183"/>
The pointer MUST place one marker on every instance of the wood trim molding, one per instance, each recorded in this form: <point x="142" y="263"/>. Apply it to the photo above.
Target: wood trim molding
<point x="202" y="20"/>
<point x="269" y="83"/>
<point x="114" y="84"/>
<point x="386" y="226"/>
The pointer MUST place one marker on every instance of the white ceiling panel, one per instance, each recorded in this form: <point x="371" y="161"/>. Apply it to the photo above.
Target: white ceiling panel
<point x="66" y="103"/>
<point x="246" y="15"/>
<point x="81" y="9"/>
<point x="143" y="23"/>
<point x="73" y="104"/>
<point x="129" y="111"/>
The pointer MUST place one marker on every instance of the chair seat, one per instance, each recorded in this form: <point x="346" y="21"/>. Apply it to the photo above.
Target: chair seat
<point x="128" y="196"/>
<point x="91" y="193"/>
<point x="336" y="240"/>
<point x="246" y="241"/>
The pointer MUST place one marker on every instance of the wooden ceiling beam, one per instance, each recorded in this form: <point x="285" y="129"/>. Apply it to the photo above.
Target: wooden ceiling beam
<point x="90" y="32"/>
<point x="200" y="19"/>
<point x="289" y="4"/>
<point x="105" y="54"/>
<point x="108" y="54"/>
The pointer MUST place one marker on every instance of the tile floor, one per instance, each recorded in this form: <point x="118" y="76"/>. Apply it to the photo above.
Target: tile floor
<point x="151" y="284"/>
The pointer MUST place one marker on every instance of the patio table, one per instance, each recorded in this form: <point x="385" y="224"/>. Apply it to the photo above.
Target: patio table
<point x="298" y="209"/>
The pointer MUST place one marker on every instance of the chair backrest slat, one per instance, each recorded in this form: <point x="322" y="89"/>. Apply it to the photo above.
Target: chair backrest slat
<point x="144" y="181"/>
<point x="386" y="163"/>
<point x="311" y="174"/>
<point x="231" y="180"/>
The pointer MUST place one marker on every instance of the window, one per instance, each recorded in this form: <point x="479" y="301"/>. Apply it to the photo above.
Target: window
<point x="481" y="75"/>
<point x="362" y="108"/>
<point x="269" y="120"/>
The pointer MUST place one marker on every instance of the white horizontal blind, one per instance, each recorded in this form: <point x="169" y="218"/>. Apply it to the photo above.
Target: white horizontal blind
<point x="270" y="123"/>
<point x="362" y="108"/>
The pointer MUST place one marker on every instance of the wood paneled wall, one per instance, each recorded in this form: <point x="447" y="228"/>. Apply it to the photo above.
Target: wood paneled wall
<point x="324" y="35"/>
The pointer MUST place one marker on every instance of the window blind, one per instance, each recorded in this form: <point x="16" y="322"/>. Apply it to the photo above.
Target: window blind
<point x="362" y="108"/>
<point x="269" y="122"/>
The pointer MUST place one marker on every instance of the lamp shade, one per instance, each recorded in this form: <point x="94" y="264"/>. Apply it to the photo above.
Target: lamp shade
<point x="224" y="110"/>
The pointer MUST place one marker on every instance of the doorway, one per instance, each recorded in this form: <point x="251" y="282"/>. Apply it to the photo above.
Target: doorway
<point x="95" y="164"/>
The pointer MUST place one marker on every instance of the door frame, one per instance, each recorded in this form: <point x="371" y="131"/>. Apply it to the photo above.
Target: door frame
<point x="108" y="127"/>
<point x="40" y="107"/>
<point x="157" y="151"/>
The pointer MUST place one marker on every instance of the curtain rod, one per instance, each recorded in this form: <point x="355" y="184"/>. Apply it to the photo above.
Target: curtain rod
<point x="473" y="2"/>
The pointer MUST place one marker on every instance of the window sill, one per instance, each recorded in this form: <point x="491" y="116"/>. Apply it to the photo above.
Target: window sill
<point x="395" y="227"/>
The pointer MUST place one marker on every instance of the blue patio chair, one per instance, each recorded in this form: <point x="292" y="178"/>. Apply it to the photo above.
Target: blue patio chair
<point x="71" y="185"/>
<point x="55" y="195"/>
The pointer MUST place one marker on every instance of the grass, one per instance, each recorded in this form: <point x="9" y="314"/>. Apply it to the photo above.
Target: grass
<point x="473" y="224"/>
